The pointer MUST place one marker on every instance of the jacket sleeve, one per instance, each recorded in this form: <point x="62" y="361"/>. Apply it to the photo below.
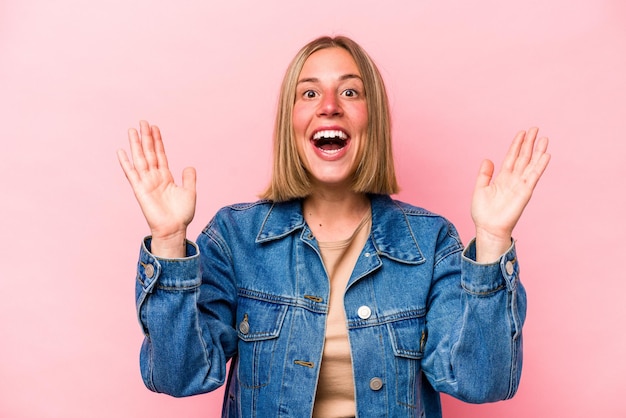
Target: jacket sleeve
<point x="186" y="320"/>
<point x="474" y="322"/>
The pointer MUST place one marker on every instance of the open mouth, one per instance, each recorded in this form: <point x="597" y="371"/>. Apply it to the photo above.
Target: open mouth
<point x="330" y="140"/>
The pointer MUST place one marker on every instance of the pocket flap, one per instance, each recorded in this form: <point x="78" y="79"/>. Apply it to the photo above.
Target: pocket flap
<point x="258" y="319"/>
<point x="408" y="337"/>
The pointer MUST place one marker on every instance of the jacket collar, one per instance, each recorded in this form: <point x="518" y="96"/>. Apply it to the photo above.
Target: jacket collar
<point x="391" y="232"/>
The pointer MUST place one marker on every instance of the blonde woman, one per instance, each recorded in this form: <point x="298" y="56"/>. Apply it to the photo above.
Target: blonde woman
<point x="328" y="297"/>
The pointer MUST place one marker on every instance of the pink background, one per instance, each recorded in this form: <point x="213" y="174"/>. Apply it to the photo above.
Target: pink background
<point x="463" y="77"/>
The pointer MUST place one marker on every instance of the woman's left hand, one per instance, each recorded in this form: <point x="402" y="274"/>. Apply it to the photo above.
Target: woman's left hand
<point x="498" y="202"/>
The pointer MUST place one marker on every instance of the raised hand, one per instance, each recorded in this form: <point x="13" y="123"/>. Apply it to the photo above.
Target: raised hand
<point x="498" y="203"/>
<point x="167" y="207"/>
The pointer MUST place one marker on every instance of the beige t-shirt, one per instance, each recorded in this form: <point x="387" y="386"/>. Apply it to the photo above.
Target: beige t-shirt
<point x="335" y="389"/>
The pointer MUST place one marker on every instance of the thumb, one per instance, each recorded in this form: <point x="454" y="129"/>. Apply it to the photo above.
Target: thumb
<point x="189" y="179"/>
<point x="485" y="173"/>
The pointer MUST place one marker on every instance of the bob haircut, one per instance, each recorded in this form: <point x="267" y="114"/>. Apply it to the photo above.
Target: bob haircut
<point x="375" y="171"/>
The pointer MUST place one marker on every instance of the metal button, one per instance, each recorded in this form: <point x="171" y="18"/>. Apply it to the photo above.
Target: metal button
<point x="376" y="383"/>
<point x="367" y="254"/>
<point x="509" y="267"/>
<point x="149" y="270"/>
<point x="244" y="326"/>
<point x="364" y="312"/>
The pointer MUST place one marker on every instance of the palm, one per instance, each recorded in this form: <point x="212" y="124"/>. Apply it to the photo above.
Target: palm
<point x="167" y="207"/>
<point x="498" y="202"/>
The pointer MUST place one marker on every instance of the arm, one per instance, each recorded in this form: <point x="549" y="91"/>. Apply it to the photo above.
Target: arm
<point x="186" y="308"/>
<point x="474" y="349"/>
<point x="474" y="322"/>
<point x="185" y="348"/>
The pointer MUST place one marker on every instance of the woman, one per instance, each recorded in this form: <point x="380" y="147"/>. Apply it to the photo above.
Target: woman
<point x="330" y="298"/>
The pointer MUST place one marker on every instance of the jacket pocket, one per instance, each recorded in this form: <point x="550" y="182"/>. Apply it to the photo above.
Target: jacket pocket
<point x="258" y="325"/>
<point x="408" y="338"/>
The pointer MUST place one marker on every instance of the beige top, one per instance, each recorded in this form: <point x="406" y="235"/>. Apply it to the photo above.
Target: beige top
<point x="335" y="390"/>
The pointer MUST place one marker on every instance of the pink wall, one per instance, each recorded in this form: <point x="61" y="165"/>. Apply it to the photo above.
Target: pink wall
<point x="463" y="78"/>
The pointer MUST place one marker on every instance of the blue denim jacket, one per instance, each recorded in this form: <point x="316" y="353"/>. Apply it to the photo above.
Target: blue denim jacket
<point x="422" y="316"/>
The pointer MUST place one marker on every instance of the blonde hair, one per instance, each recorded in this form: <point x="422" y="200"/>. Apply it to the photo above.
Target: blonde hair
<point x="375" y="172"/>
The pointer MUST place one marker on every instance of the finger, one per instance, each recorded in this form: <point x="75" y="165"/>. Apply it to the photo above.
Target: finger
<point x="513" y="152"/>
<point x="485" y="174"/>
<point x="526" y="150"/>
<point x="127" y="167"/>
<point x="147" y="143"/>
<point x="537" y="171"/>
<point x="540" y="149"/>
<point x="159" y="148"/>
<point x="539" y="163"/>
<point x="189" y="179"/>
<point x="136" y="150"/>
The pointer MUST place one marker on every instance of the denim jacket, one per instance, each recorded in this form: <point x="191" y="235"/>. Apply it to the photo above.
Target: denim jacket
<point x="422" y="316"/>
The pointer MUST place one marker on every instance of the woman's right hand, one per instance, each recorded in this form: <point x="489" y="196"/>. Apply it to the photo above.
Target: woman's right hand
<point x="167" y="207"/>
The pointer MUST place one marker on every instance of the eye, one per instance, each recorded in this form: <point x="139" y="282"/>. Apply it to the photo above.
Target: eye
<point x="350" y="93"/>
<point x="309" y="94"/>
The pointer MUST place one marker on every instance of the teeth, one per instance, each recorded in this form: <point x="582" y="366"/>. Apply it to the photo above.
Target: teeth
<point x="330" y="134"/>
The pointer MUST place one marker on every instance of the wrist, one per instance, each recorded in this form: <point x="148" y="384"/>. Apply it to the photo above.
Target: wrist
<point x="170" y="245"/>
<point x="490" y="247"/>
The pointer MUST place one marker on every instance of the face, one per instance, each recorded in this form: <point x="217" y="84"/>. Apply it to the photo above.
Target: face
<point x="330" y="117"/>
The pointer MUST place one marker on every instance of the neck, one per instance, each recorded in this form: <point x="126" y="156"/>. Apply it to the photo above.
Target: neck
<point x="334" y="216"/>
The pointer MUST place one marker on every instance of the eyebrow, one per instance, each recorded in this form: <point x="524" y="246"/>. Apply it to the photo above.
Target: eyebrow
<point x="342" y="78"/>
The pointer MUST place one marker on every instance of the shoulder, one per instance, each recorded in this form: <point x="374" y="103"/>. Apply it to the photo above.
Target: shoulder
<point x="413" y="210"/>
<point x="417" y="214"/>
<point x="424" y="225"/>
<point x="384" y="203"/>
<point x="238" y="213"/>
<point x="254" y="217"/>
<point x="246" y="208"/>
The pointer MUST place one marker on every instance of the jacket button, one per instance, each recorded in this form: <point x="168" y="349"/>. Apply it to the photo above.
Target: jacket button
<point x="149" y="270"/>
<point x="364" y="312"/>
<point x="244" y="327"/>
<point x="509" y="267"/>
<point x="376" y="383"/>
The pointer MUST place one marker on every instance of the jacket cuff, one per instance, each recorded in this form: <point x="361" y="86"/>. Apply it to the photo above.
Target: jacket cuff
<point x="178" y="273"/>
<point x="487" y="278"/>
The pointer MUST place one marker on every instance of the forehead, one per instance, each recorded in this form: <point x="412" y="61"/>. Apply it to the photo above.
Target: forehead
<point x="334" y="62"/>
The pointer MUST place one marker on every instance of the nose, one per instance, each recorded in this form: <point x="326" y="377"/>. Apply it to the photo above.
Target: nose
<point x="329" y="105"/>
